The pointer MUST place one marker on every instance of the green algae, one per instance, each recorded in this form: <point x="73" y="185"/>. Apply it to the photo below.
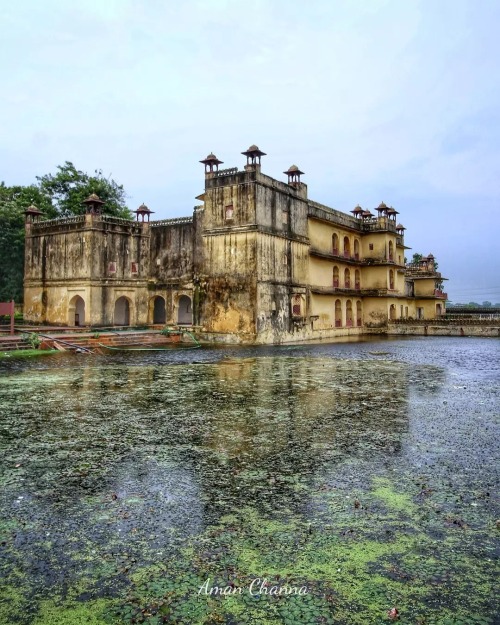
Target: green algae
<point x="137" y="484"/>
<point x="28" y="353"/>
<point x="70" y="613"/>
<point x="400" y="502"/>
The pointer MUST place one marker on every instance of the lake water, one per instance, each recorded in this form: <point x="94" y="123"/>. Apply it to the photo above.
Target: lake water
<point x="135" y="485"/>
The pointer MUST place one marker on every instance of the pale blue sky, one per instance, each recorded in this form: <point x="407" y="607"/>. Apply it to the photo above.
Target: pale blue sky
<point x="393" y="100"/>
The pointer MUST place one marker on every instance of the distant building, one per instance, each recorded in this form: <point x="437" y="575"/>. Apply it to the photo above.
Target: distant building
<point x="256" y="262"/>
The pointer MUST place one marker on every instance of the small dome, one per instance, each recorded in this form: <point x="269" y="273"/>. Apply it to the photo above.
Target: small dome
<point x="93" y="198"/>
<point x="143" y="209"/>
<point x="400" y="227"/>
<point x="294" y="168"/>
<point x="382" y="206"/>
<point x="211" y="157"/>
<point x="253" y="148"/>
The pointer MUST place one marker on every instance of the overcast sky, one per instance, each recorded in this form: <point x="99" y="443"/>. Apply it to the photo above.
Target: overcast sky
<point x="393" y="100"/>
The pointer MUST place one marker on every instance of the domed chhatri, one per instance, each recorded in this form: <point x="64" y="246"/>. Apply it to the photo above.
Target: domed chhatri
<point x="93" y="204"/>
<point x="293" y="173"/>
<point x="211" y="163"/>
<point x="253" y="155"/>
<point x="32" y="213"/>
<point x="357" y="211"/>
<point x="143" y="211"/>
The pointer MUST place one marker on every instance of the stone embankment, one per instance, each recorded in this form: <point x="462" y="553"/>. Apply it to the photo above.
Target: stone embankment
<point x="445" y="327"/>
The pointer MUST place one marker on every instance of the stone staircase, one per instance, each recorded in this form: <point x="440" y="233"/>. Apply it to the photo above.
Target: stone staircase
<point x="72" y="342"/>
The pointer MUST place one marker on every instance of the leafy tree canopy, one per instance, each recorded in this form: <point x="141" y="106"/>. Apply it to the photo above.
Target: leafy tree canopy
<point x="56" y="195"/>
<point x="69" y="186"/>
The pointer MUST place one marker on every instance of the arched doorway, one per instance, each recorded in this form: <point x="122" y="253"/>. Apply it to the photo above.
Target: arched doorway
<point x="356" y="249"/>
<point x="159" y="311"/>
<point x="185" y="312"/>
<point x="357" y="280"/>
<point x="439" y="310"/>
<point x="392" y="312"/>
<point x="359" y="318"/>
<point x="348" y="313"/>
<point x="336" y="277"/>
<point x="347" y="247"/>
<point x="338" y="314"/>
<point x="76" y="311"/>
<point x="335" y="244"/>
<point x="122" y="312"/>
<point x="347" y="279"/>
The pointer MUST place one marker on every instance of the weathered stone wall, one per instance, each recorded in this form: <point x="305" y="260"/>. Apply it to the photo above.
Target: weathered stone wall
<point x="433" y="328"/>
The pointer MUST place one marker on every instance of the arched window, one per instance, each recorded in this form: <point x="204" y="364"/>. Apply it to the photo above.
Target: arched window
<point x="122" y="312"/>
<point x="335" y="244"/>
<point x="359" y="318"/>
<point x="348" y="313"/>
<point x="439" y="310"/>
<point x="347" y="248"/>
<point x="347" y="279"/>
<point x="391" y="251"/>
<point x="391" y="279"/>
<point x="392" y="312"/>
<point x="297" y="306"/>
<point x="76" y="311"/>
<point x="338" y="314"/>
<point x="356" y="249"/>
<point x="336" y="282"/>
<point x="185" y="312"/>
<point x="357" y="280"/>
<point x="159" y="312"/>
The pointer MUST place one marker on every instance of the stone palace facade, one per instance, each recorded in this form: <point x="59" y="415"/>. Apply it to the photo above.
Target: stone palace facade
<point x="257" y="262"/>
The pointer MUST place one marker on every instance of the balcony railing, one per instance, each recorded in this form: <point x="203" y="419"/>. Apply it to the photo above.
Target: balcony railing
<point x="440" y="294"/>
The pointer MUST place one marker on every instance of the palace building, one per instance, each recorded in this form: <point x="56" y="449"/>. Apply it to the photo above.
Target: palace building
<point x="257" y="262"/>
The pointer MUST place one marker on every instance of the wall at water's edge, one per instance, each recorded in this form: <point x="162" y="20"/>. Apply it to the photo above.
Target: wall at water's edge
<point x="443" y="330"/>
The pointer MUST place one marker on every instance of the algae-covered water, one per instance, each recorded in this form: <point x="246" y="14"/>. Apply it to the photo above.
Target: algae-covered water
<point x="284" y="485"/>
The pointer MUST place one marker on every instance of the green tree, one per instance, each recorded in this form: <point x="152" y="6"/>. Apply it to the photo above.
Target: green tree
<point x="56" y="195"/>
<point x="69" y="186"/>
<point x="13" y="202"/>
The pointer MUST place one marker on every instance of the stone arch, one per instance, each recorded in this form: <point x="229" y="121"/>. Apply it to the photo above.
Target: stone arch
<point x="348" y="313"/>
<point x="338" y="314"/>
<point x="158" y="312"/>
<point x="336" y="282"/>
<point x="335" y="244"/>
<point x="357" y="280"/>
<point x="121" y="315"/>
<point x="184" y="311"/>
<point x="76" y="311"/>
<point x="359" y="313"/>
<point x="347" y="278"/>
<point x="347" y="247"/>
